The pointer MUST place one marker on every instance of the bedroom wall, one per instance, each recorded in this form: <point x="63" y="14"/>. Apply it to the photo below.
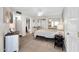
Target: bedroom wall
<point x="71" y="22"/>
<point x="43" y="23"/>
<point x="3" y="29"/>
<point x="1" y="15"/>
<point x="2" y="23"/>
<point x="39" y="22"/>
<point x="36" y="21"/>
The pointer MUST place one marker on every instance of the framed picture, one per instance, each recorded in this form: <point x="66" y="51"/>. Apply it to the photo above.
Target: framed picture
<point x="7" y="15"/>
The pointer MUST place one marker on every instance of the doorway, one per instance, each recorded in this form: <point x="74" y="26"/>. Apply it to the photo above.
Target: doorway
<point x="27" y="25"/>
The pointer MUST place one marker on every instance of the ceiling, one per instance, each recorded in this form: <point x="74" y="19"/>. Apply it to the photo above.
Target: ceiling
<point x="46" y="11"/>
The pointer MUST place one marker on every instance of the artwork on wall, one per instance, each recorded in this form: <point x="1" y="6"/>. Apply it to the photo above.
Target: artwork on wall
<point x="7" y="15"/>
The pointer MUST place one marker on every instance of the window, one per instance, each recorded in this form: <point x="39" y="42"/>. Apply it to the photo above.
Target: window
<point x="56" y="23"/>
<point x="52" y="23"/>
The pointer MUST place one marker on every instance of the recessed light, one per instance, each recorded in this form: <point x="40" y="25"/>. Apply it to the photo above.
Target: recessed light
<point x="40" y="13"/>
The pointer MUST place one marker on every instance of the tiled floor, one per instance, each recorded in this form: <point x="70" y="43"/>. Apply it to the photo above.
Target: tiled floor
<point x="30" y="44"/>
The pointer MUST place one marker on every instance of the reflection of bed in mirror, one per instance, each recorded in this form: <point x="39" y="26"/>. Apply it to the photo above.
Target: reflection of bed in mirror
<point x="47" y="33"/>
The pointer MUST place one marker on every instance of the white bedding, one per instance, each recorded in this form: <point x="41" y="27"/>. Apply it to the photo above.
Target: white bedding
<point x="45" y="33"/>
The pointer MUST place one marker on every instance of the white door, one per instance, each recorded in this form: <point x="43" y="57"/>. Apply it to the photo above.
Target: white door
<point x="71" y="34"/>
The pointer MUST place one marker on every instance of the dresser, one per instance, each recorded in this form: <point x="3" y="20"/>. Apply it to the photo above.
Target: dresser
<point x="11" y="42"/>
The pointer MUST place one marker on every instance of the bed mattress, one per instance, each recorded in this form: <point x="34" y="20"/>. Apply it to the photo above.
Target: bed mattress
<point x="45" y="33"/>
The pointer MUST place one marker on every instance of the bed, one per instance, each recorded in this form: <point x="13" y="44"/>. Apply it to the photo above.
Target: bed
<point x="46" y="33"/>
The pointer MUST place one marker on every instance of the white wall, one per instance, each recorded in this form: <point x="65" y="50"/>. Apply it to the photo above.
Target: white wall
<point x="23" y="25"/>
<point x="41" y="23"/>
<point x="1" y="15"/>
<point x="71" y="22"/>
<point x="3" y="25"/>
<point x="3" y="29"/>
<point x="38" y="22"/>
<point x="44" y="24"/>
<point x="71" y="12"/>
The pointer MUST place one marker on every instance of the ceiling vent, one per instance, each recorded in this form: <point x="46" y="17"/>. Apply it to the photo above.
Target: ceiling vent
<point x="18" y="12"/>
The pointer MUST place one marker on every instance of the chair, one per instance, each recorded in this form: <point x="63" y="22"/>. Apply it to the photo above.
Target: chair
<point x="59" y="41"/>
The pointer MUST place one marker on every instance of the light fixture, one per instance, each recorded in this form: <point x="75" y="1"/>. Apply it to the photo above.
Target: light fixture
<point x="40" y="13"/>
